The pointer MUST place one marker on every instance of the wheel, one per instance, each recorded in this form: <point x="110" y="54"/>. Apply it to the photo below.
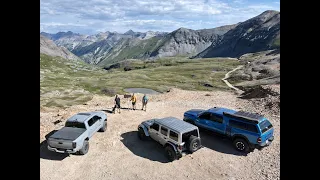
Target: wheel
<point x="141" y="134"/>
<point x="104" y="127"/>
<point x="193" y="143"/>
<point x="241" y="145"/>
<point x="170" y="153"/>
<point x="85" y="148"/>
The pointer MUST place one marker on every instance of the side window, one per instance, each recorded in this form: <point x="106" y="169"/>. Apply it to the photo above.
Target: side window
<point x="155" y="126"/>
<point x="93" y="120"/>
<point x="244" y="126"/>
<point x="96" y="118"/>
<point x="90" y="122"/>
<point x="216" y="118"/>
<point x="252" y="128"/>
<point x="164" y="131"/>
<point x="237" y="124"/>
<point x="173" y="136"/>
<point x="205" y="115"/>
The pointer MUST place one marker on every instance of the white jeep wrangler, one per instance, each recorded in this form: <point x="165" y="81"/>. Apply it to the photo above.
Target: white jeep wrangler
<point x="175" y="135"/>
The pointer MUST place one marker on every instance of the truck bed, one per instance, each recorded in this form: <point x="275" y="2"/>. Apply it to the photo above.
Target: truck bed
<point x="68" y="133"/>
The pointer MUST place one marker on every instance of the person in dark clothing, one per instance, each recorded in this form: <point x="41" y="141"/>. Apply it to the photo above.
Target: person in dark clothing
<point x="117" y="104"/>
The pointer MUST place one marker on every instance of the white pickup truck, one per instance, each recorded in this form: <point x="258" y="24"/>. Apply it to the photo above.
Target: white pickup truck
<point x="74" y="137"/>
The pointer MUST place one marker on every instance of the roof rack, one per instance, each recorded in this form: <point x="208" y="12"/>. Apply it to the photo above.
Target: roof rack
<point x="245" y="116"/>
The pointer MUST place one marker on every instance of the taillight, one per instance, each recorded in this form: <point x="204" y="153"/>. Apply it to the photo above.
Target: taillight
<point x="74" y="144"/>
<point x="180" y="147"/>
<point x="259" y="140"/>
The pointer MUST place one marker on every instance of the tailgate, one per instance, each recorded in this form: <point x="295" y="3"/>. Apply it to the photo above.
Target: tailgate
<point x="268" y="134"/>
<point x="60" y="143"/>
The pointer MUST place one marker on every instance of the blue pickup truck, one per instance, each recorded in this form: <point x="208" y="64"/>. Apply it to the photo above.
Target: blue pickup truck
<point x="247" y="130"/>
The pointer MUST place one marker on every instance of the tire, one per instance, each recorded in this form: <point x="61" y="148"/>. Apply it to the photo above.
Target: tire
<point x="142" y="136"/>
<point x="85" y="148"/>
<point x="170" y="153"/>
<point x="193" y="143"/>
<point x="241" y="145"/>
<point x="104" y="127"/>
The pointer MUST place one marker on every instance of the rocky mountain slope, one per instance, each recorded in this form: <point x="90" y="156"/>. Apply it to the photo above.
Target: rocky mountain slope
<point x="181" y="42"/>
<point x="94" y="47"/>
<point x="256" y="34"/>
<point x="188" y="42"/>
<point x="48" y="47"/>
<point x="259" y="68"/>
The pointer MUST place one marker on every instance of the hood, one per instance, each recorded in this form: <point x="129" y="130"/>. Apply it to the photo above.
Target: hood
<point x="194" y="112"/>
<point x="148" y="123"/>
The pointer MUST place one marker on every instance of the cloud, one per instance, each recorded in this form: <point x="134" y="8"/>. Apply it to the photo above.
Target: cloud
<point x="91" y="16"/>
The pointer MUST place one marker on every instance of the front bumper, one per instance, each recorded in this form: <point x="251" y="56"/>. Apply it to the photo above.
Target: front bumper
<point x="61" y="150"/>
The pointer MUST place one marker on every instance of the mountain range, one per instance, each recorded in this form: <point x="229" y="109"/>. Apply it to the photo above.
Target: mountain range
<point x="259" y="33"/>
<point x="48" y="47"/>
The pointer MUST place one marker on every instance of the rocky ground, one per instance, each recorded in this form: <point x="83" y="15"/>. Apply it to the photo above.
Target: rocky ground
<point x="119" y="154"/>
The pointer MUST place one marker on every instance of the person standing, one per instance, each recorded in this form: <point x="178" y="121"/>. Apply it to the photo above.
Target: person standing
<point x="117" y="103"/>
<point x="144" y="102"/>
<point x="134" y="100"/>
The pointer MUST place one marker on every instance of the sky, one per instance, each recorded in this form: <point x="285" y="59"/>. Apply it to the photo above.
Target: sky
<point x="94" y="16"/>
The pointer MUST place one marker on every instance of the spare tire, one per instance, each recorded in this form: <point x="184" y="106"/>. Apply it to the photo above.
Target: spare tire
<point x="193" y="143"/>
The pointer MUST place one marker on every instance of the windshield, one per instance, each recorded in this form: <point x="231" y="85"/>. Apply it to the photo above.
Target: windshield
<point x="75" y="124"/>
<point x="265" y="125"/>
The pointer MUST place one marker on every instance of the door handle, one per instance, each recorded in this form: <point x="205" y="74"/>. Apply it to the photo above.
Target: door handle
<point x="157" y="133"/>
<point x="164" y="138"/>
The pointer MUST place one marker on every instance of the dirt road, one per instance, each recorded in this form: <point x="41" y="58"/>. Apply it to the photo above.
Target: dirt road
<point x="228" y="75"/>
<point x="119" y="154"/>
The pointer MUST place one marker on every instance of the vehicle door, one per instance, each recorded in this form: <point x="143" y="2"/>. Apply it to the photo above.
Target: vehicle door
<point x="94" y="125"/>
<point x="163" y="135"/>
<point x="215" y="123"/>
<point x="154" y="131"/>
<point x="202" y="120"/>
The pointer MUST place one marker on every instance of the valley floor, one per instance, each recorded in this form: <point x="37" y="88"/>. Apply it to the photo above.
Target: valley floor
<point x="119" y="154"/>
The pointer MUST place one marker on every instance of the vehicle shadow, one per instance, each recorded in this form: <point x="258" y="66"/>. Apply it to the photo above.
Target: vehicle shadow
<point x="218" y="143"/>
<point x="137" y="109"/>
<point x="49" y="155"/>
<point x="148" y="149"/>
<point x="106" y="110"/>
<point x="111" y="112"/>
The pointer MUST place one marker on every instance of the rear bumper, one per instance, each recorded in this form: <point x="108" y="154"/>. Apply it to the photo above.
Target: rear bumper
<point x="61" y="150"/>
<point x="264" y="144"/>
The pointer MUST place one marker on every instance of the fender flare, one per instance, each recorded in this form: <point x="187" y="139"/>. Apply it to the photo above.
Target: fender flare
<point x="145" y="130"/>
<point x="235" y="136"/>
<point x="171" y="144"/>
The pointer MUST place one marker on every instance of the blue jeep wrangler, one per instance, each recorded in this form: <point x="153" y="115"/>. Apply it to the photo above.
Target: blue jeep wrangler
<point x="246" y="130"/>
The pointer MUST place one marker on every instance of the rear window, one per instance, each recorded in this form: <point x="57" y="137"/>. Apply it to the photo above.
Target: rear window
<point x="75" y="125"/>
<point x="265" y="126"/>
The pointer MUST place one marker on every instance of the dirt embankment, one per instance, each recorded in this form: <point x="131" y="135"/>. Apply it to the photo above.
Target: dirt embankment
<point x="119" y="154"/>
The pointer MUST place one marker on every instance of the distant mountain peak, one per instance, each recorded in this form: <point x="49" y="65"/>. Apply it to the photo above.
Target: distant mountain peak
<point x="130" y="32"/>
<point x="183" y="29"/>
